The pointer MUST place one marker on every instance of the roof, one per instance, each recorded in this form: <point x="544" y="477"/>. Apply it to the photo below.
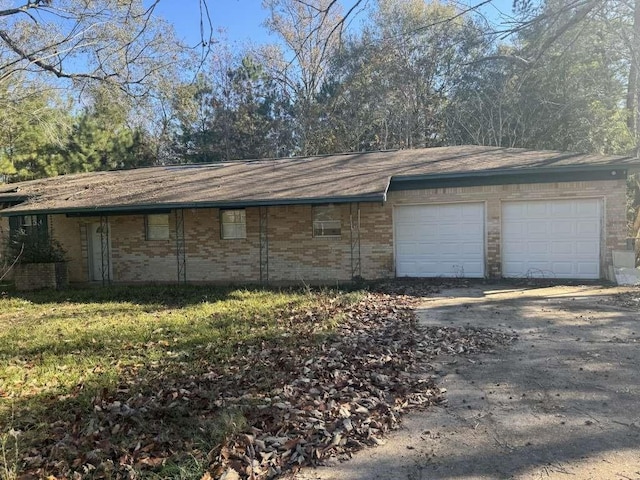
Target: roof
<point x="332" y="178"/>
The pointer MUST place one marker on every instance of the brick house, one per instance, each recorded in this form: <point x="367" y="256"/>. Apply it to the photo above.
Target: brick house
<point x="464" y="211"/>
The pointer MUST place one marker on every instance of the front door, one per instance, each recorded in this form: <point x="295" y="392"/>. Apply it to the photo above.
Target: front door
<point x="100" y="254"/>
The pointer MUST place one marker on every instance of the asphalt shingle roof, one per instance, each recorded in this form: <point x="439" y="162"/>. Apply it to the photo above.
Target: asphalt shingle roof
<point x="361" y="176"/>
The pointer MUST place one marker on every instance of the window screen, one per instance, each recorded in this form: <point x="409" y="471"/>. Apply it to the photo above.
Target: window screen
<point x="158" y="226"/>
<point x="326" y="221"/>
<point x="233" y="224"/>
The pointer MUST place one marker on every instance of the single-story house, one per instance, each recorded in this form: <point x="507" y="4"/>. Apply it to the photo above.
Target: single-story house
<point x="463" y="211"/>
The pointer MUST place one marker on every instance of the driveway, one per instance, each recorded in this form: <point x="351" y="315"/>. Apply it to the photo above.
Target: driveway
<point x="563" y="402"/>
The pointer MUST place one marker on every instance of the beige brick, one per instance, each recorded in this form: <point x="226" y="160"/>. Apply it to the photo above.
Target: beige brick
<point x="294" y="254"/>
<point x="612" y="192"/>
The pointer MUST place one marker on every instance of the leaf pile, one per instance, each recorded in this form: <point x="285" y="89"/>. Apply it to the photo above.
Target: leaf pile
<point x="346" y="394"/>
<point x="630" y="300"/>
<point x="305" y="397"/>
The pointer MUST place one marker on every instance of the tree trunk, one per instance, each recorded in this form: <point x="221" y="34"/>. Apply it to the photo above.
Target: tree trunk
<point x="633" y="87"/>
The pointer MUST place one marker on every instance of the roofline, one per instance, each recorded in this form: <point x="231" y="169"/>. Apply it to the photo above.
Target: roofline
<point x="514" y="171"/>
<point x="140" y="208"/>
<point x="371" y="198"/>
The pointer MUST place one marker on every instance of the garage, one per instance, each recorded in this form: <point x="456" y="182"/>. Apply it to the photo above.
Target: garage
<point x="445" y="240"/>
<point x="552" y="238"/>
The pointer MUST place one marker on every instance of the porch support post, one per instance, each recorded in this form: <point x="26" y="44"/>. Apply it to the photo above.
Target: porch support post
<point x="105" y="254"/>
<point x="264" y="245"/>
<point x="356" y="264"/>
<point x="181" y="250"/>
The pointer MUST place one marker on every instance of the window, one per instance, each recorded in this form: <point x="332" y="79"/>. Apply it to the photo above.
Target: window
<point x="31" y="226"/>
<point x="158" y="226"/>
<point x="326" y="221"/>
<point x="29" y="238"/>
<point x="233" y="224"/>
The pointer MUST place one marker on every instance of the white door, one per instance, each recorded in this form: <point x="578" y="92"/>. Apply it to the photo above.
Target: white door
<point x="552" y="239"/>
<point x="444" y="240"/>
<point x="100" y="257"/>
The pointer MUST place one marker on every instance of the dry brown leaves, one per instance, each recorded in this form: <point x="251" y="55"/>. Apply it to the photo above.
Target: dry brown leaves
<point x="308" y="402"/>
<point x="349" y="392"/>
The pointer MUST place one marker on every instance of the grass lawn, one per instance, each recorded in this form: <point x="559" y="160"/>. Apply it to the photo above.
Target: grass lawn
<point x="69" y="358"/>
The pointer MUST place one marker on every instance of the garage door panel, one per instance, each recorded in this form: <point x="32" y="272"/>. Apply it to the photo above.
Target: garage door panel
<point x="537" y="248"/>
<point x="471" y="250"/>
<point x="514" y="250"/>
<point x="446" y="240"/>
<point x="536" y="267"/>
<point x="562" y="228"/>
<point x="408" y="267"/>
<point x="562" y="238"/>
<point x="587" y="249"/>
<point x="562" y="268"/>
<point x="562" y="209"/>
<point x="448" y="248"/>
<point x="563" y="248"/>
<point x="475" y="231"/>
<point x="587" y="268"/>
<point x="514" y="229"/>
<point x="590" y="208"/>
<point x="591" y="228"/>
<point x="407" y="249"/>
<point x="539" y="227"/>
<point x="451" y="230"/>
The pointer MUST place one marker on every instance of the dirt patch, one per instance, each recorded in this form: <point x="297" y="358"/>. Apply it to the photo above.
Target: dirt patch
<point x="562" y="402"/>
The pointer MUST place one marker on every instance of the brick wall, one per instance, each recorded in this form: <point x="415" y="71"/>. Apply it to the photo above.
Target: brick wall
<point x="67" y="231"/>
<point x="36" y="276"/>
<point x="294" y="254"/>
<point x="136" y="259"/>
<point x="612" y="192"/>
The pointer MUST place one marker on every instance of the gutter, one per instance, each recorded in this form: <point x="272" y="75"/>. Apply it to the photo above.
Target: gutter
<point x="164" y="207"/>
<point x="510" y="177"/>
<point x="399" y="182"/>
<point x="513" y="171"/>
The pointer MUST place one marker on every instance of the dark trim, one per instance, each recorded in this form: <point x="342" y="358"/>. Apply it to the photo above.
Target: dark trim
<point x="13" y="199"/>
<point x="523" y="176"/>
<point x="95" y="213"/>
<point x="153" y="208"/>
<point x="573" y="173"/>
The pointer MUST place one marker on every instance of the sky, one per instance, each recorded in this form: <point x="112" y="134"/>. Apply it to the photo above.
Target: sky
<point x="242" y="20"/>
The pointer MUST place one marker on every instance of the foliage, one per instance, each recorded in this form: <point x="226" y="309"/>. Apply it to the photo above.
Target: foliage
<point x="69" y="360"/>
<point x="569" y="98"/>
<point x="309" y="38"/>
<point x="394" y="79"/>
<point x="33" y="248"/>
<point x="236" y="113"/>
<point x="34" y="121"/>
<point x="119" y="42"/>
<point x="9" y="454"/>
<point x="413" y="74"/>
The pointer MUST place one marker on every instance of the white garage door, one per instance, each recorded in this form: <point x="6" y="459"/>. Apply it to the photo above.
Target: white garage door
<point x="439" y="240"/>
<point x="551" y="239"/>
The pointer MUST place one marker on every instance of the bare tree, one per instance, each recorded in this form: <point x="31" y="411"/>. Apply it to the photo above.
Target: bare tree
<point x="116" y="41"/>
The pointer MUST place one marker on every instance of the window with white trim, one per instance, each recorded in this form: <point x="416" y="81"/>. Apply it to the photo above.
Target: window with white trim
<point x="158" y="226"/>
<point x="326" y="221"/>
<point x="233" y="224"/>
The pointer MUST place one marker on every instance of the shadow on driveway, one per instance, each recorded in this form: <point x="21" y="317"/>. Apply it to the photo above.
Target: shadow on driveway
<point x="561" y="402"/>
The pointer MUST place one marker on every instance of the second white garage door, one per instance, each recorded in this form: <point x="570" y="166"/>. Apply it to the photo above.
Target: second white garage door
<point x="552" y="238"/>
<point x="439" y="240"/>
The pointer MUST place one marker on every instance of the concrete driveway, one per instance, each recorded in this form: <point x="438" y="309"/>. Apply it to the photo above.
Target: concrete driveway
<point x="563" y="402"/>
